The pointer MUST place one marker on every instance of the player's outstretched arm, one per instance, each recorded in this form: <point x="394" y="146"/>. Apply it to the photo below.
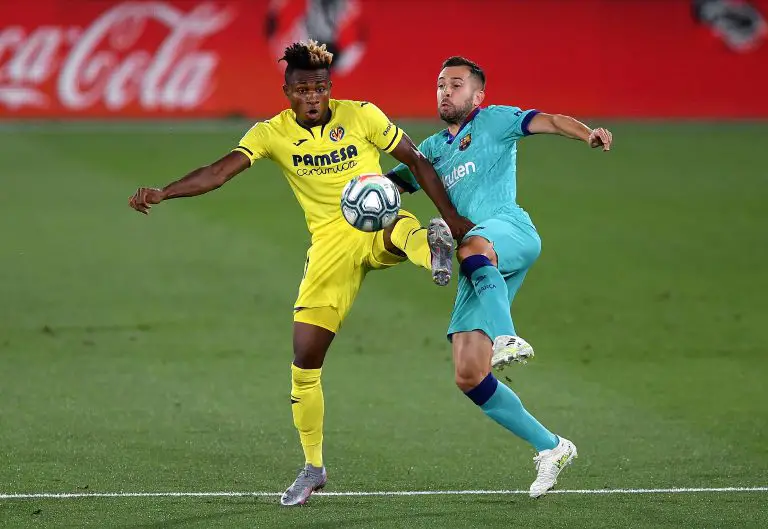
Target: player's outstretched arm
<point x="570" y="128"/>
<point x="407" y="153"/>
<point x="198" y="182"/>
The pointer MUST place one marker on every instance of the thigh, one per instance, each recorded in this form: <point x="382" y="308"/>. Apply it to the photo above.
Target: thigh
<point x="333" y="273"/>
<point x="517" y="245"/>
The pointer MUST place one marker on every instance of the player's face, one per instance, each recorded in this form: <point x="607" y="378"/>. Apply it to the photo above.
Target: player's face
<point x="309" y="92"/>
<point x="458" y="93"/>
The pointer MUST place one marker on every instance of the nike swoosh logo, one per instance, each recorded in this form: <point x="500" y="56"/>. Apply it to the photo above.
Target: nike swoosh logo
<point x="299" y="142"/>
<point x="294" y="401"/>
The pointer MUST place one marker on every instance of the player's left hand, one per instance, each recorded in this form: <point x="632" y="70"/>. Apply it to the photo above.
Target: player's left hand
<point x="459" y="226"/>
<point x="601" y="136"/>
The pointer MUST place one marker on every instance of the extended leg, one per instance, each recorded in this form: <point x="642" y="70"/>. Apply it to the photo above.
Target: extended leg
<point x="310" y="345"/>
<point x="472" y="359"/>
<point x="431" y="247"/>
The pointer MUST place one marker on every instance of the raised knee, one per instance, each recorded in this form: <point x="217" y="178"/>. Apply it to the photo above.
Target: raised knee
<point x="477" y="246"/>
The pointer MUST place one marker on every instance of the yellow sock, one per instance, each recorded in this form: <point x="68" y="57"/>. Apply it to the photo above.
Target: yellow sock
<point x="307" y="407"/>
<point x="411" y="239"/>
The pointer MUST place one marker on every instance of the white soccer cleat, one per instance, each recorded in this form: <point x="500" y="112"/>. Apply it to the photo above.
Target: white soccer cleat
<point x="549" y="464"/>
<point x="508" y="349"/>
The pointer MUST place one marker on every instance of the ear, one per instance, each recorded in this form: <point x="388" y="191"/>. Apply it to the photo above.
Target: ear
<point x="286" y="90"/>
<point x="330" y="85"/>
<point x="478" y="98"/>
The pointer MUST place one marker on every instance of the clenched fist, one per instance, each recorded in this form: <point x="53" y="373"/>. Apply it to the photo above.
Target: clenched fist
<point x="601" y="136"/>
<point x="144" y="198"/>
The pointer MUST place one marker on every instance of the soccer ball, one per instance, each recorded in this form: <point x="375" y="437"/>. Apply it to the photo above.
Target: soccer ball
<point x="370" y="202"/>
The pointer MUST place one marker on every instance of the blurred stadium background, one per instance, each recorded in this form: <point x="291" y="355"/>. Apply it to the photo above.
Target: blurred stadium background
<point x="151" y="354"/>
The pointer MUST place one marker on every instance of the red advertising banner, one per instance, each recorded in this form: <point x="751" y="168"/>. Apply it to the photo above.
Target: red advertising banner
<point x="629" y="58"/>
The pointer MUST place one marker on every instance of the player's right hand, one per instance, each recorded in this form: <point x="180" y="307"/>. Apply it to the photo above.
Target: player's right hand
<point x="144" y="197"/>
<point x="601" y="137"/>
<point x="459" y="226"/>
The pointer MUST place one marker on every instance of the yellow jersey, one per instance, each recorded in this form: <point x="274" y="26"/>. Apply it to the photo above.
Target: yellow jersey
<point x="320" y="161"/>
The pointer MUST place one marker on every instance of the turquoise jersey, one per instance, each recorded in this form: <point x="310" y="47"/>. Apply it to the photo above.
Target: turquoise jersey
<point x="478" y="166"/>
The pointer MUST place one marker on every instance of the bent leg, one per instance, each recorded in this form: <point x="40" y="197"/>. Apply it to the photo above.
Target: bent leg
<point x="479" y="265"/>
<point x="472" y="352"/>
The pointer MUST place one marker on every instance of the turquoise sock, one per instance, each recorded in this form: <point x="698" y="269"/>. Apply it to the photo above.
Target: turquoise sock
<point x="502" y="405"/>
<point x="491" y="290"/>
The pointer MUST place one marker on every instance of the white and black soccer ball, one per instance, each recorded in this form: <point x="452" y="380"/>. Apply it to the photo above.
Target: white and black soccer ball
<point x="370" y="202"/>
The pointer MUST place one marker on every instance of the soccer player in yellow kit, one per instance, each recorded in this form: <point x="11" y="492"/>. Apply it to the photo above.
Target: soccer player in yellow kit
<point x="320" y="144"/>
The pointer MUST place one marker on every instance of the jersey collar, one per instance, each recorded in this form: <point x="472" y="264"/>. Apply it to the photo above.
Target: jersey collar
<point x="322" y="127"/>
<point x="471" y="116"/>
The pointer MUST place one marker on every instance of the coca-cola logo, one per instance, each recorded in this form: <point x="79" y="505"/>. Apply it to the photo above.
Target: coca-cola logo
<point x="108" y="63"/>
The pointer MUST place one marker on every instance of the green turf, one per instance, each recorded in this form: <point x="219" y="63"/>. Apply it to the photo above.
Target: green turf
<point x="152" y="354"/>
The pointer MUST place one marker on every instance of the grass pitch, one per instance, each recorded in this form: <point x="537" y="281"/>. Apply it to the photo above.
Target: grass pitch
<point x="152" y="354"/>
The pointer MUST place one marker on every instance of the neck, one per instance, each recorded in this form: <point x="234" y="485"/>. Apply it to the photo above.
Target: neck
<point x="453" y="128"/>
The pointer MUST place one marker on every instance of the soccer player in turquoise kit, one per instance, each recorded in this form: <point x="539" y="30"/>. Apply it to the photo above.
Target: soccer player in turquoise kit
<point x="476" y="159"/>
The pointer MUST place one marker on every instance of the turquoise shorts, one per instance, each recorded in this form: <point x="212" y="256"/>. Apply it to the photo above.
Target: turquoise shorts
<point x="517" y="246"/>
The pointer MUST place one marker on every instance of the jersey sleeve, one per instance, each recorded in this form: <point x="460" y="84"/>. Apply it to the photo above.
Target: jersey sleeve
<point x="379" y="129"/>
<point x="255" y="143"/>
<point x="511" y="122"/>
<point x="403" y="176"/>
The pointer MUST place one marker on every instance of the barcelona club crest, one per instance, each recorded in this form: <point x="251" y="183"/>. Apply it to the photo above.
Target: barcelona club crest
<point x="336" y="133"/>
<point x="465" y="141"/>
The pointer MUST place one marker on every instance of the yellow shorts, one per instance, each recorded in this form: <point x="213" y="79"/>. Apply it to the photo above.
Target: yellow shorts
<point x="335" y="267"/>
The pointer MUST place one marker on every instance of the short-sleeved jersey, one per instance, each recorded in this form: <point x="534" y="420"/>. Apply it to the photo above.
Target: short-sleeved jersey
<point x="318" y="162"/>
<point x="478" y="166"/>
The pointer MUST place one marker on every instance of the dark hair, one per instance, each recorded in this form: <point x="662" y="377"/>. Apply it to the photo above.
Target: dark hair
<point x="306" y="56"/>
<point x="474" y="69"/>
